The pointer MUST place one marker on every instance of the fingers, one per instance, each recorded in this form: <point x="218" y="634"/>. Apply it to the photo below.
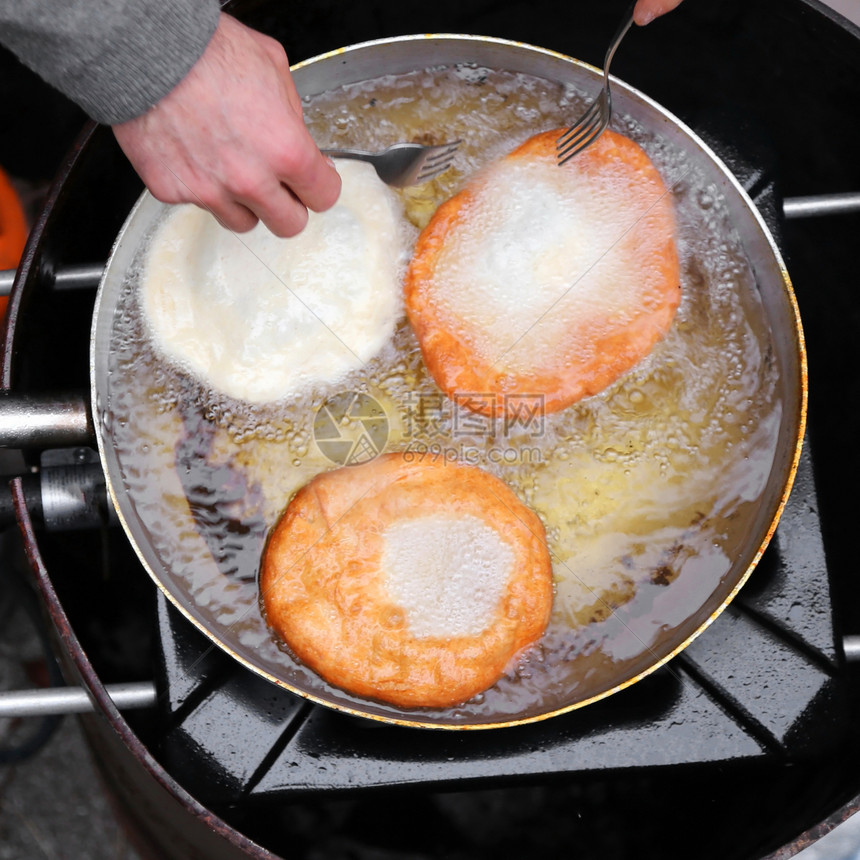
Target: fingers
<point x="309" y="175"/>
<point x="231" y="138"/>
<point x="242" y="189"/>
<point x="240" y="210"/>
<point x="234" y="216"/>
<point x="280" y="210"/>
<point x="647" y="10"/>
<point x="301" y="166"/>
<point x="279" y="189"/>
<point x="278" y="173"/>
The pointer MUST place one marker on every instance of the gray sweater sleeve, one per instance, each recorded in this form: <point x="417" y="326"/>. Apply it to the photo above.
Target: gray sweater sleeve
<point x="115" y="58"/>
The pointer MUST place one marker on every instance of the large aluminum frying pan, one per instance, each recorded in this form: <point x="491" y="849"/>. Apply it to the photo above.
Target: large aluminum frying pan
<point x="151" y="502"/>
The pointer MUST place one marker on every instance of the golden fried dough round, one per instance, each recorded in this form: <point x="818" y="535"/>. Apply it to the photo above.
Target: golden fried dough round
<point x="544" y="282"/>
<point x="415" y="582"/>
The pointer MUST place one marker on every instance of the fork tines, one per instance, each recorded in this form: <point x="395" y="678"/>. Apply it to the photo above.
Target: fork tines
<point x="585" y="131"/>
<point x="437" y="160"/>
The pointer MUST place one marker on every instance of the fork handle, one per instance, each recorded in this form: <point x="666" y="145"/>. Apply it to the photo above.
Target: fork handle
<point x="357" y="154"/>
<point x="623" y="27"/>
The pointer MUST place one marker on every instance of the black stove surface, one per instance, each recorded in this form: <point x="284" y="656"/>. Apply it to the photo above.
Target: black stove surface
<point x="763" y="692"/>
<point x="765" y="681"/>
<point x="736" y="745"/>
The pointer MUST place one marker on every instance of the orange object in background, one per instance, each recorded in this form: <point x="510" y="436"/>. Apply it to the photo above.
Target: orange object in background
<point x="13" y="230"/>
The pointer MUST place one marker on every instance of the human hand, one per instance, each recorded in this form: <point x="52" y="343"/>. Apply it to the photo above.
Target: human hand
<point x="647" y="10"/>
<point x="230" y="137"/>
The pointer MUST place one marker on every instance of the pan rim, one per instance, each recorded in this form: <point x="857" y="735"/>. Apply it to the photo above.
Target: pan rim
<point x="798" y="420"/>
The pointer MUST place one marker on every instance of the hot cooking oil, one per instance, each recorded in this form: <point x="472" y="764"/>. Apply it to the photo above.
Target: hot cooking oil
<point x="647" y="490"/>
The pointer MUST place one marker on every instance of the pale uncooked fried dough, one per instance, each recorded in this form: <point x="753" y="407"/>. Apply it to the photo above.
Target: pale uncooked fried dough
<point x="260" y="318"/>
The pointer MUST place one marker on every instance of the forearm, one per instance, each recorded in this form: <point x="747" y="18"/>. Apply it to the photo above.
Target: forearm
<point x="115" y="58"/>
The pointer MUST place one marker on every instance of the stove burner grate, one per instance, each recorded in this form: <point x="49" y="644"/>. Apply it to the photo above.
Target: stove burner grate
<point x="764" y="682"/>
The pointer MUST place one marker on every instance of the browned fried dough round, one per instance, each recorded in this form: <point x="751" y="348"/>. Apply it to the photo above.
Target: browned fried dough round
<point x="413" y="582"/>
<point x="545" y="282"/>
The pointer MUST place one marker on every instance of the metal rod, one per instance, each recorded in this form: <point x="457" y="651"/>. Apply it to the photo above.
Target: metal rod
<point x="7" y="278"/>
<point x="77" y="277"/>
<point x="44" y="420"/>
<point x="851" y="646"/>
<point x="73" y="700"/>
<point x="821" y="204"/>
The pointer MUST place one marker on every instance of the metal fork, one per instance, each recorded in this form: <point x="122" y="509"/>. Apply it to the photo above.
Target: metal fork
<point x="594" y="121"/>
<point x="404" y="163"/>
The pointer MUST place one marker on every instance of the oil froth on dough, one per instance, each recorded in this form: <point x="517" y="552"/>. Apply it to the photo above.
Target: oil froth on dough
<point x="260" y="318"/>
<point x="448" y="575"/>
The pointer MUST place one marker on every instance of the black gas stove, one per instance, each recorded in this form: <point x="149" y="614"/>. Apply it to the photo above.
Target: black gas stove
<point x="732" y="750"/>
